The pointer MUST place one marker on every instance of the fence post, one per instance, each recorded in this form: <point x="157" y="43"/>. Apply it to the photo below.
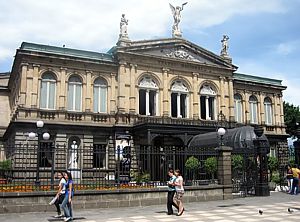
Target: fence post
<point x="224" y="170"/>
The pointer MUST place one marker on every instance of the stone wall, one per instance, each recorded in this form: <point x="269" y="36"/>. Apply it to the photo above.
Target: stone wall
<point x="38" y="201"/>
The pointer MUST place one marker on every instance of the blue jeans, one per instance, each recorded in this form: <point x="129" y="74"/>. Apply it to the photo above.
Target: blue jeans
<point x="295" y="186"/>
<point x="67" y="207"/>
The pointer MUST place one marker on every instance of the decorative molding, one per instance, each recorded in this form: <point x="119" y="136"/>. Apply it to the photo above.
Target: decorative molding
<point x="178" y="86"/>
<point x="181" y="54"/>
<point x="207" y="90"/>
<point x="148" y="83"/>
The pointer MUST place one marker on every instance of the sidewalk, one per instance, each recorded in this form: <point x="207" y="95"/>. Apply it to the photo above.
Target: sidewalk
<point x="241" y="209"/>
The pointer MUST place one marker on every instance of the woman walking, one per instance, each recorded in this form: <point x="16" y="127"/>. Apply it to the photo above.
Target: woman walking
<point x="179" y="192"/>
<point x="60" y="195"/>
<point x="67" y="202"/>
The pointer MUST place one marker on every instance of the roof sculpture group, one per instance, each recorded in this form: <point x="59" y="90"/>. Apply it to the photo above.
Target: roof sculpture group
<point x="176" y="32"/>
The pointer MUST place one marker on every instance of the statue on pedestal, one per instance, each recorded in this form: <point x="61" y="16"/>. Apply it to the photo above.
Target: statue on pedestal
<point x="123" y="27"/>
<point x="177" y="17"/>
<point x="73" y="161"/>
<point x="224" y="51"/>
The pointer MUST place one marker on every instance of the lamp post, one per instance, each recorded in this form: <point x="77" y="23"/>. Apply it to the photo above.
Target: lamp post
<point x="221" y="133"/>
<point x="41" y="135"/>
<point x="262" y="148"/>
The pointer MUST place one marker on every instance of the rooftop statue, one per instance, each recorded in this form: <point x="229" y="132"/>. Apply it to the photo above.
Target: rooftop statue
<point x="123" y="27"/>
<point x="224" y="51"/>
<point x="177" y="17"/>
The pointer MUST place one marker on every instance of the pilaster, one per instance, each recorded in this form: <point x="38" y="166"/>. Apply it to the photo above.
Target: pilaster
<point x="195" y="97"/>
<point x="166" y="106"/>
<point x="23" y="84"/>
<point x="62" y="87"/>
<point x="121" y="87"/>
<point x="132" y="96"/>
<point x="231" y="99"/>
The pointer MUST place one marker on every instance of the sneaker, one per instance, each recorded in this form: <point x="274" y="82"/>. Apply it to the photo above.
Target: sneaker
<point x="68" y="219"/>
<point x="59" y="216"/>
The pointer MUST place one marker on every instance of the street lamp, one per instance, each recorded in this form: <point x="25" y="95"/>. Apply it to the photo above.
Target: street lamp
<point x="40" y="135"/>
<point x="221" y="133"/>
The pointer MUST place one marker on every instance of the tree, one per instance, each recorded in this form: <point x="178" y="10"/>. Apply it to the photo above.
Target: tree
<point x="211" y="166"/>
<point x="291" y="117"/>
<point x="192" y="164"/>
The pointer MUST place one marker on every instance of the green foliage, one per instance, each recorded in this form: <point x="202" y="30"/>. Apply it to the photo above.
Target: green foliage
<point x="211" y="165"/>
<point x="273" y="163"/>
<point x="139" y="177"/>
<point x="5" y="165"/>
<point x="192" y="163"/>
<point x="276" y="178"/>
<point x="237" y="162"/>
<point x="291" y="117"/>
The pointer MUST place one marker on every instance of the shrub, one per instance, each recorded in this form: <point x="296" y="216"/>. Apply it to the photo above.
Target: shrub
<point x="237" y="162"/>
<point x="211" y="166"/>
<point x="192" y="164"/>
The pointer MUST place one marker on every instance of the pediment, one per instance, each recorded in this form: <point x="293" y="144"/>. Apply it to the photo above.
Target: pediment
<point x="177" y="49"/>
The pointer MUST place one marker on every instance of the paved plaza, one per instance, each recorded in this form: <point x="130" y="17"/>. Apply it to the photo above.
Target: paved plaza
<point x="274" y="208"/>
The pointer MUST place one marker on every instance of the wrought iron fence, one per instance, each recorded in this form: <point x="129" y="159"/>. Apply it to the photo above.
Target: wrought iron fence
<point x="29" y="167"/>
<point x="244" y="171"/>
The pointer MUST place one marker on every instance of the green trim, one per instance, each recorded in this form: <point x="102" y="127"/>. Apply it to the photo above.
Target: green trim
<point x="66" y="51"/>
<point x="257" y="79"/>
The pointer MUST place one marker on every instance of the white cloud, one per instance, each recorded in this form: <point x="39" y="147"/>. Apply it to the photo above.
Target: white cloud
<point x="286" y="48"/>
<point x="94" y="24"/>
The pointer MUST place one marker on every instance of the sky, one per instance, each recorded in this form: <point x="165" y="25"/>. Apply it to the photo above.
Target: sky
<point x="264" y="34"/>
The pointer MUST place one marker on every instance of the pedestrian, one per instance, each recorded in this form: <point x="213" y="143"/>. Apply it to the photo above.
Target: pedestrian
<point x="171" y="192"/>
<point x="179" y="192"/>
<point x="67" y="202"/>
<point x="296" y="173"/>
<point x="289" y="177"/>
<point x="60" y="195"/>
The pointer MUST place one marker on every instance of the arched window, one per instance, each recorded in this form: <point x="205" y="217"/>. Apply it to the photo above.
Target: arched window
<point x="74" y="93"/>
<point x="179" y="100"/>
<point x="268" y="111"/>
<point x="253" y="109"/>
<point x="207" y="102"/>
<point x="100" y="95"/>
<point x="48" y="88"/>
<point x="238" y="108"/>
<point x="148" y="97"/>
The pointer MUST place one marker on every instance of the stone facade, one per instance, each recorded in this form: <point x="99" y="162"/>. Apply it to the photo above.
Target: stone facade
<point x="154" y="92"/>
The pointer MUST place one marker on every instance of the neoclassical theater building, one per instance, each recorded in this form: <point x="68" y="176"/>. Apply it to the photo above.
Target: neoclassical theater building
<point x="158" y="92"/>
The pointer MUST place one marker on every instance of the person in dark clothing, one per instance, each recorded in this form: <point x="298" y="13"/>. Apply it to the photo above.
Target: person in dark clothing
<point x="171" y="192"/>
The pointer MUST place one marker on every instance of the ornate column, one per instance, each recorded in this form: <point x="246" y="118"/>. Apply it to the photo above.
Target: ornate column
<point x="231" y="100"/>
<point x="62" y="86"/>
<point x="261" y="110"/>
<point x="165" y="93"/>
<point x="178" y="106"/>
<point x="221" y="82"/>
<point x="281" y="110"/>
<point x="23" y="85"/>
<point x="196" y="98"/>
<point x="113" y="93"/>
<point x="33" y="86"/>
<point x="121" y="87"/>
<point x="274" y="116"/>
<point x="207" y="108"/>
<point x="247" y="109"/>
<point x="132" y="96"/>
<point x="147" y="102"/>
<point x="89" y="87"/>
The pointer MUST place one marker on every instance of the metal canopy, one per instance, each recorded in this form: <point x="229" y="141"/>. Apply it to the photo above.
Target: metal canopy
<point x="237" y="138"/>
